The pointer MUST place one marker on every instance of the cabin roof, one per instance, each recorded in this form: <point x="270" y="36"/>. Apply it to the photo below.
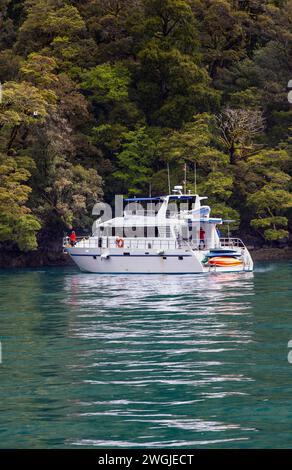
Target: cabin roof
<point x="181" y="197"/>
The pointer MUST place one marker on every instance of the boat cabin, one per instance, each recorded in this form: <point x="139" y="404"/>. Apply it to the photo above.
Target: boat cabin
<point x="176" y="220"/>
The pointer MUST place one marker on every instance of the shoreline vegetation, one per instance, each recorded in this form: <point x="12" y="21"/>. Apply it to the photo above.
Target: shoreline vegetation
<point x="105" y="97"/>
<point x="54" y="256"/>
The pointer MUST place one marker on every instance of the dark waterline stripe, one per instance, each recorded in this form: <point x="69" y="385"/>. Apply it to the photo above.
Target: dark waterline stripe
<point x="139" y="256"/>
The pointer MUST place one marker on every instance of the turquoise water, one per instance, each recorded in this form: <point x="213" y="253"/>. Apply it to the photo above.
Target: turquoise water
<point x="146" y="361"/>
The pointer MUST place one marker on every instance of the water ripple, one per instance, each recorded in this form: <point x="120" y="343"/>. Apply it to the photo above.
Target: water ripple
<point x="145" y="361"/>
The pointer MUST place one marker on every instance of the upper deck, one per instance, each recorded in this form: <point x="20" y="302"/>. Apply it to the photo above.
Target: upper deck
<point x="176" y="221"/>
<point x="171" y="210"/>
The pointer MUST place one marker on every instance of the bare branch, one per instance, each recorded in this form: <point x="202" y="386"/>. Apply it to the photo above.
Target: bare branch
<point x="239" y="127"/>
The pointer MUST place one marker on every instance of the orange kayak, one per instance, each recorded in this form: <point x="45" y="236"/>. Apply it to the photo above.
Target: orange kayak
<point x="221" y="261"/>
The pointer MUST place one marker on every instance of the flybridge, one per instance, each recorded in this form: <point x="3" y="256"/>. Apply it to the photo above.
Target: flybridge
<point x="168" y="207"/>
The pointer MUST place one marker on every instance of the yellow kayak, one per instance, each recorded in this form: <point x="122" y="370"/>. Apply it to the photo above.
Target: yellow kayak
<point x="224" y="261"/>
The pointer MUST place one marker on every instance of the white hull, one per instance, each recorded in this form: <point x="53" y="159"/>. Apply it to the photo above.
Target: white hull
<point x="179" y="262"/>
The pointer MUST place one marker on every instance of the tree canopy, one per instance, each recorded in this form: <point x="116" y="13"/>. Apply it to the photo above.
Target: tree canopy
<point x="102" y="96"/>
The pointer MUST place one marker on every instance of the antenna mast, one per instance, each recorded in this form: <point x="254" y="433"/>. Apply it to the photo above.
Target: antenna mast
<point x="168" y="178"/>
<point x="185" y="178"/>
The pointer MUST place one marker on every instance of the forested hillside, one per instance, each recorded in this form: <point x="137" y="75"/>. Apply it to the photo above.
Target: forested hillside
<point x="100" y="96"/>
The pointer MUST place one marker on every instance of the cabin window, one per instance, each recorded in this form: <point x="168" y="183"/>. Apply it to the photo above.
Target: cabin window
<point x="181" y="258"/>
<point x="127" y="254"/>
<point x="149" y="232"/>
<point x="164" y="257"/>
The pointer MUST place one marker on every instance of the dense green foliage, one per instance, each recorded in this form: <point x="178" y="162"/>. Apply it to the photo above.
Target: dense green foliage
<point x="101" y="96"/>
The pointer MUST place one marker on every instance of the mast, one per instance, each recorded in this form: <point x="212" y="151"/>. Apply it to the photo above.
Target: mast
<point x="185" y="178"/>
<point x="168" y="178"/>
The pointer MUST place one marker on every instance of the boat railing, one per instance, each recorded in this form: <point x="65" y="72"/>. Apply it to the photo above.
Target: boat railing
<point x="128" y="243"/>
<point x="152" y="243"/>
<point x="232" y="243"/>
<point x="158" y="243"/>
<point x="82" y="242"/>
<point x="141" y="243"/>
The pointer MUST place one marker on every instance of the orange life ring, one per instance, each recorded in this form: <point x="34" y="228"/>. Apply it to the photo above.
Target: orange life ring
<point x="120" y="243"/>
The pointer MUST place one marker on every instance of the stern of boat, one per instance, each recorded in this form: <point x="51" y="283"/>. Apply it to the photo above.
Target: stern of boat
<point x="231" y="254"/>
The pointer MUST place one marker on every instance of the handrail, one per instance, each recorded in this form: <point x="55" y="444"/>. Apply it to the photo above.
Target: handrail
<point x="142" y="243"/>
<point x="135" y="243"/>
<point x="66" y="240"/>
<point x="232" y="242"/>
<point x="153" y="243"/>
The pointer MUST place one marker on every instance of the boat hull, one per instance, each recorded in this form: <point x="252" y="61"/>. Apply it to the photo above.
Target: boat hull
<point x="188" y="262"/>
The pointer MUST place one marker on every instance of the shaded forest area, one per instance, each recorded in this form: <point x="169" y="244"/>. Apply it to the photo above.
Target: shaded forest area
<point x="100" y="96"/>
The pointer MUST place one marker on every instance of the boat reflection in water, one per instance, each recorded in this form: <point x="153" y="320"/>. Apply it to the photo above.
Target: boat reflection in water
<point x="161" y="354"/>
